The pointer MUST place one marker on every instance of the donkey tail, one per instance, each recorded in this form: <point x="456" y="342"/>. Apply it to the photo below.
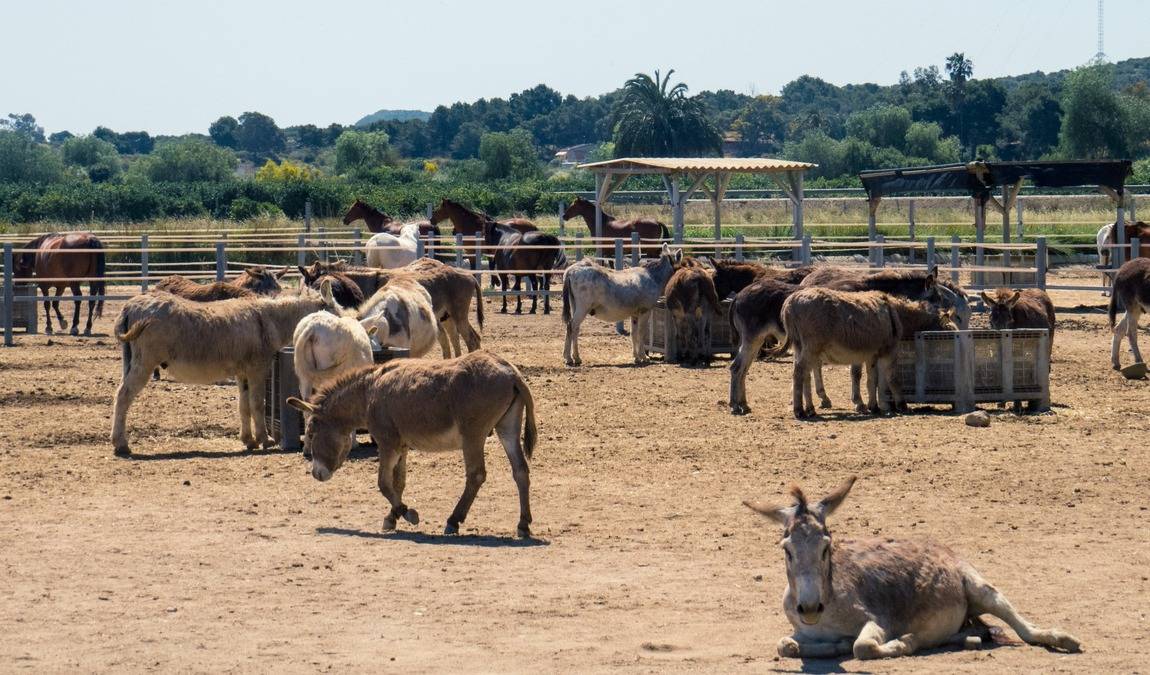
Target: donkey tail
<point x="1112" y="310"/>
<point x="530" y="430"/>
<point x="478" y="300"/>
<point x="97" y="287"/>
<point x="125" y="334"/>
<point x="566" y="301"/>
<point x="712" y="298"/>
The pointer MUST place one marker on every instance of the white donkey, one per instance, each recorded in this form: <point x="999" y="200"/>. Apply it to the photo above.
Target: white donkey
<point x="882" y="597"/>
<point x="613" y="295"/>
<point x="388" y="251"/>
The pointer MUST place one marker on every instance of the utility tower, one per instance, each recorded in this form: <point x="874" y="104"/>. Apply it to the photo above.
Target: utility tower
<point x="1100" y="56"/>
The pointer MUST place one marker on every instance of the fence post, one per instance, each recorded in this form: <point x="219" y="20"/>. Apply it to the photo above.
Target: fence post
<point x="910" y="229"/>
<point x="634" y="248"/>
<point x="459" y="250"/>
<point x="432" y="243"/>
<point x="307" y="216"/>
<point x="221" y="260"/>
<point x="357" y="253"/>
<point x="954" y="258"/>
<point x="578" y="246"/>
<point x="880" y="250"/>
<point x="871" y="229"/>
<point x="1135" y="247"/>
<point x="300" y="253"/>
<point x="9" y="295"/>
<point x="430" y="210"/>
<point x="562" y="223"/>
<point x="1040" y="262"/>
<point x="1131" y="208"/>
<point x="929" y="252"/>
<point x="420" y="249"/>
<point x="619" y="328"/>
<point x="739" y="240"/>
<point x="805" y="250"/>
<point x="144" y="263"/>
<point x="1018" y="216"/>
<point x="323" y="244"/>
<point x="478" y="262"/>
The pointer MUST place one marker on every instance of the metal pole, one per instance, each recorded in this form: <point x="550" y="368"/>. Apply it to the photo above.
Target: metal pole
<point x="144" y="263"/>
<point x="954" y="261"/>
<point x="634" y="249"/>
<point x="1131" y="208"/>
<point x="929" y="252"/>
<point x="1040" y="263"/>
<point x="420" y="248"/>
<point x="979" y="237"/>
<point x="477" y="264"/>
<point x="430" y="210"/>
<point x="323" y="244"/>
<point x="9" y="295"/>
<point x="578" y="246"/>
<point x="459" y="250"/>
<point x="1135" y="247"/>
<point x="357" y="254"/>
<point x="307" y="216"/>
<point x="871" y="229"/>
<point x="805" y="251"/>
<point x="880" y="251"/>
<point x="798" y="187"/>
<point x="739" y="240"/>
<point x="562" y="223"/>
<point x="1018" y="215"/>
<point x="1119" y="254"/>
<point x="221" y="260"/>
<point x="300" y="253"/>
<point x="910" y="230"/>
<point x="618" y="254"/>
<point x="598" y="212"/>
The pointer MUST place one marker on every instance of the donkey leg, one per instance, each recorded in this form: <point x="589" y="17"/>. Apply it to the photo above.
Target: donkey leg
<point x="246" y="437"/>
<point x="390" y="455"/>
<point x="1115" y="342"/>
<point x="856" y="387"/>
<point x="135" y="379"/>
<point x="256" y="394"/>
<point x="508" y="429"/>
<point x="1132" y="316"/>
<point x="795" y="647"/>
<point x="749" y="346"/>
<point x="77" y="292"/>
<point x="824" y="400"/>
<point x="872" y="643"/>
<point x="798" y="384"/>
<point x="983" y="598"/>
<point x="441" y="335"/>
<point x="476" y="475"/>
<point x="571" y="343"/>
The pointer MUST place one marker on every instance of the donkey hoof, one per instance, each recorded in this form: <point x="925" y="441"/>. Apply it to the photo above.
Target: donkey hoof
<point x="971" y="642"/>
<point x="788" y="648"/>
<point x="388" y="524"/>
<point x="825" y="404"/>
<point x="523" y="532"/>
<point x="862" y="409"/>
<point x="451" y="528"/>
<point x="122" y="451"/>
<point x="411" y="516"/>
<point x="268" y="444"/>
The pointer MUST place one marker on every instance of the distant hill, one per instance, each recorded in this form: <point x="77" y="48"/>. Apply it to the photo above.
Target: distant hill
<point x="1126" y="73"/>
<point x="397" y="115"/>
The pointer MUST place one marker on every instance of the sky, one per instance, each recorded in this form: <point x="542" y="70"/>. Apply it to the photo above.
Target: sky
<point x="171" y="67"/>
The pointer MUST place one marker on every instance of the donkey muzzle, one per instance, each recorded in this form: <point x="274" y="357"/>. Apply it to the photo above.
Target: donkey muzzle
<point x="320" y="472"/>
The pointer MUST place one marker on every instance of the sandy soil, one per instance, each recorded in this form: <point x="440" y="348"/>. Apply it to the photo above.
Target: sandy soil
<point x="197" y="557"/>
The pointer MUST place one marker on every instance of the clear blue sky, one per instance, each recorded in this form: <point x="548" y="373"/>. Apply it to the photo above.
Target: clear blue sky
<point x="173" y="67"/>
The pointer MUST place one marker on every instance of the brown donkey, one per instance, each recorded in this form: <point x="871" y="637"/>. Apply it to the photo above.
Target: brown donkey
<point x="426" y="405"/>
<point x="1131" y="293"/>
<point x="879" y="598"/>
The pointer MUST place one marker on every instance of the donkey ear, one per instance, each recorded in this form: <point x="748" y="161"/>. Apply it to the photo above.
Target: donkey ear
<point x="281" y="273"/>
<point x="1014" y="298"/>
<point x="302" y="406"/>
<point x="986" y="298"/>
<point x="828" y="504"/>
<point x="373" y="330"/>
<point x="303" y="273"/>
<point x="776" y="512"/>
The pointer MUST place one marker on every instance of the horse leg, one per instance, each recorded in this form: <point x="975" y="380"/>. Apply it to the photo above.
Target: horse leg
<point x="56" y="307"/>
<point x="533" y="286"/>
<point x="476" y="474"/>
<point x="48" y="310"/>
<point x="546" y="293"/>
<point x="519" y="293"/>
<point x="508" y="429"/>
<point x="503" y="281"/>
<point x="91" y="309"/>
<point x="77" y="293"/>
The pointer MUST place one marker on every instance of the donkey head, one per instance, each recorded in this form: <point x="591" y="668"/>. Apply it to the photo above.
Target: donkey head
<point x="1001" y="306"/>
<point x="323" y="437"/>
<point x="674" y="256"/>
<point x="807" y="545"/>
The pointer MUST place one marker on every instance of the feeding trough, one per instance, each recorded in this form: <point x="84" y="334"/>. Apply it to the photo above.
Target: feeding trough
<point x="662" y="338"/>
<point x="285" y="423"/>
<point x="25" y="314"/>
<point x="1135" y="371"/>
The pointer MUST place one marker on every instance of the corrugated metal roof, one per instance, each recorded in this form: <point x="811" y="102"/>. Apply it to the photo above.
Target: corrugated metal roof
<point x="700" y="164"/>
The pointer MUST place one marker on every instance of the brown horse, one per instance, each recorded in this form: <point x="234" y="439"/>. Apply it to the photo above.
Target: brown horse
<point x="470" y="223"/>
<point x="48" y="257"/>
<point x="648" y="228"/>
<point x="378" y="221"/>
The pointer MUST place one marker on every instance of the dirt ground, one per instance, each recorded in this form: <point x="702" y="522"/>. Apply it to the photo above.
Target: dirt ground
<point x="195" y="556"/>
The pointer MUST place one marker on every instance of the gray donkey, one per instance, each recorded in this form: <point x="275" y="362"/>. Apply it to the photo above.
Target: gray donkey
<point x="879" y="598"/>
<point x="613" y="295"/>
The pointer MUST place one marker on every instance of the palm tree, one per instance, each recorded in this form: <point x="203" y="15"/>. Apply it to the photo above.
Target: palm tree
<point x="656" y="120"/>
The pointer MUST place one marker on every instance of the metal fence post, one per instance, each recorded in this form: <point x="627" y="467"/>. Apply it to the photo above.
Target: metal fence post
<point x="459" y="250"/>
<point x="430" y="210"/>
<point x="619" y="328"/>
<point x="954" y="258"/>
<point x="477" y="264"/>
<point x="420" y="249"/>
<point x="739" y="241"/>
<point x="1018" y="216"/>
<point x="578" y="246"/>
<point x="323" y="244"/>
<point x="221" y="260"/>
<point x="357" y="253"/>
<point x="300" y="252"/>
<point x="9" y="295"/>
<point x="634" y="248"/>
<point x="1135" y="247"/>
<point x="1131" y="207"/>
<point x="805" y="250"/>
<point x="1040" y="262"/>
<point x="929" y="252"/>
<point x="307" y="216"/>
<point x="144" y="263"/>
<point x="880" y="250"/>
<point x="562" y="223"/>
<point x="910" y="230"/>
<point x="431" y="245"/>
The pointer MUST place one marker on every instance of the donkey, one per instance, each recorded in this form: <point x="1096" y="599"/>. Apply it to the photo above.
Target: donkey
<point x="204" y="343"/>
<point x="1026" y="308"/>
<point x="756" y="315"/>
<point x="401" y="314"/>
<point x="343" y="288"/>
<point x="1132" y="293"/>
<point x="878" y="598"/>
<point x="432" y="406"/>
<point x="732" y="276"/>
<point x="389" y="251"/>
<point x="251" y="282"/>
<point x="326" y="345"/>
<point x="613" y="295"/>
<point x="691" y="304"/>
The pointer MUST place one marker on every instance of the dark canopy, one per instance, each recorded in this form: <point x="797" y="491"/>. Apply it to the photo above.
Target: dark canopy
<point x="981" y="177"/>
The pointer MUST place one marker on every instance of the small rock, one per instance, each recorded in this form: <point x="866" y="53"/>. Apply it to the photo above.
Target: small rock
<point x="170" y="610"/>
<point x="859" y="258"/>
<point x="758" y="577"/>
<point x="978" y="418"/>
<point x="187" y="482"/>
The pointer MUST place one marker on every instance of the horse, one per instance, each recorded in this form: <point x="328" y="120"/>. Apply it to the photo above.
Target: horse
<point x="1105" y="238"/>
<point x="49" y="257"/>
<point x="471" y="223"/>
<point x="521" y="253"/>
<point x="378" y="221"/>
<point x="648" y="228"/>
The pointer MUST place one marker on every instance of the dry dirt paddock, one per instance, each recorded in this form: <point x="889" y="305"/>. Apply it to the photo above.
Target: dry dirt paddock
<point x="195" y="556"/>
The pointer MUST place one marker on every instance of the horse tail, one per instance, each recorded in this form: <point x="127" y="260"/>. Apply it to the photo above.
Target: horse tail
<point x="530" y="430"/>
<point x="665" y="231"/>
<point x="566" y="301"/>
<point x="478" y="300"/>
<point x="560" y="259"/>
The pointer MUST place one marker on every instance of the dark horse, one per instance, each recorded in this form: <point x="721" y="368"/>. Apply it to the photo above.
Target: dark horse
<point x="521" y="254"/>
<point x="378" y="221"/>
<point x="648" y="228"/>
<point x="470" y="223"/>
<point x="49" y="257"/>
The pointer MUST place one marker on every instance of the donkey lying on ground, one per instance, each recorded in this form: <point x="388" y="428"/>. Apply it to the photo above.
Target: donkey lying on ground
<point x="451" y="292"/>
<point x="426" y="405"/>
<point x="402" y="315"/>
<point x="881" y="598"/>
<point x="590" y="289"/>
<point x="691" y="306"/>
<point x="756" y="315"/>
<point x="204" y="343"/>
<point x="1131" y="292"/>
<point x="251" y="282"/>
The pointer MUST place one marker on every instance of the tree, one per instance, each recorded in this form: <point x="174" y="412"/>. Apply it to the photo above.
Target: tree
<point x="98" y="158"/>
<point x="360" y="151"/>
<point x="23" y="160"/>
<point x="1030" y="122"/>
<point x="311" y="136"/>
<point x="924" y="141"/>
<point x="127" y="143"/>
<point x="1094" y="122"/>
<point x="761" y="125"/>
<point x="958" y="69"/>
<point x="258" y="133"/>
<point x="59" y="137"/>
<point x="655" y="119"/>
<point x="881" y="126"/>
<point x="223" y="131"/>
<point x="535" y="102"/>
<point x="465" y="145"/>
<point x="508" y="155"/>
<point x="189" y="161"/>
<point x="24" y="125"/>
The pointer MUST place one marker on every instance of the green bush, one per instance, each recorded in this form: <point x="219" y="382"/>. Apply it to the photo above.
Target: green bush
<point x="247" y="209"/>
<point x="188" y="161"/>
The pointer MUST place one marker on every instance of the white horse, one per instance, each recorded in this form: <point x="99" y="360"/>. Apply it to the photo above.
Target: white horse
<point x="388" y="251"/>
<point x="1102" y="240"/>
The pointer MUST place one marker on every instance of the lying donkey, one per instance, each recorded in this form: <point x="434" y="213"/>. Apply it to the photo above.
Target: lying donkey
<point x="426" y="405"/>
<point x="882" y="597"/>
